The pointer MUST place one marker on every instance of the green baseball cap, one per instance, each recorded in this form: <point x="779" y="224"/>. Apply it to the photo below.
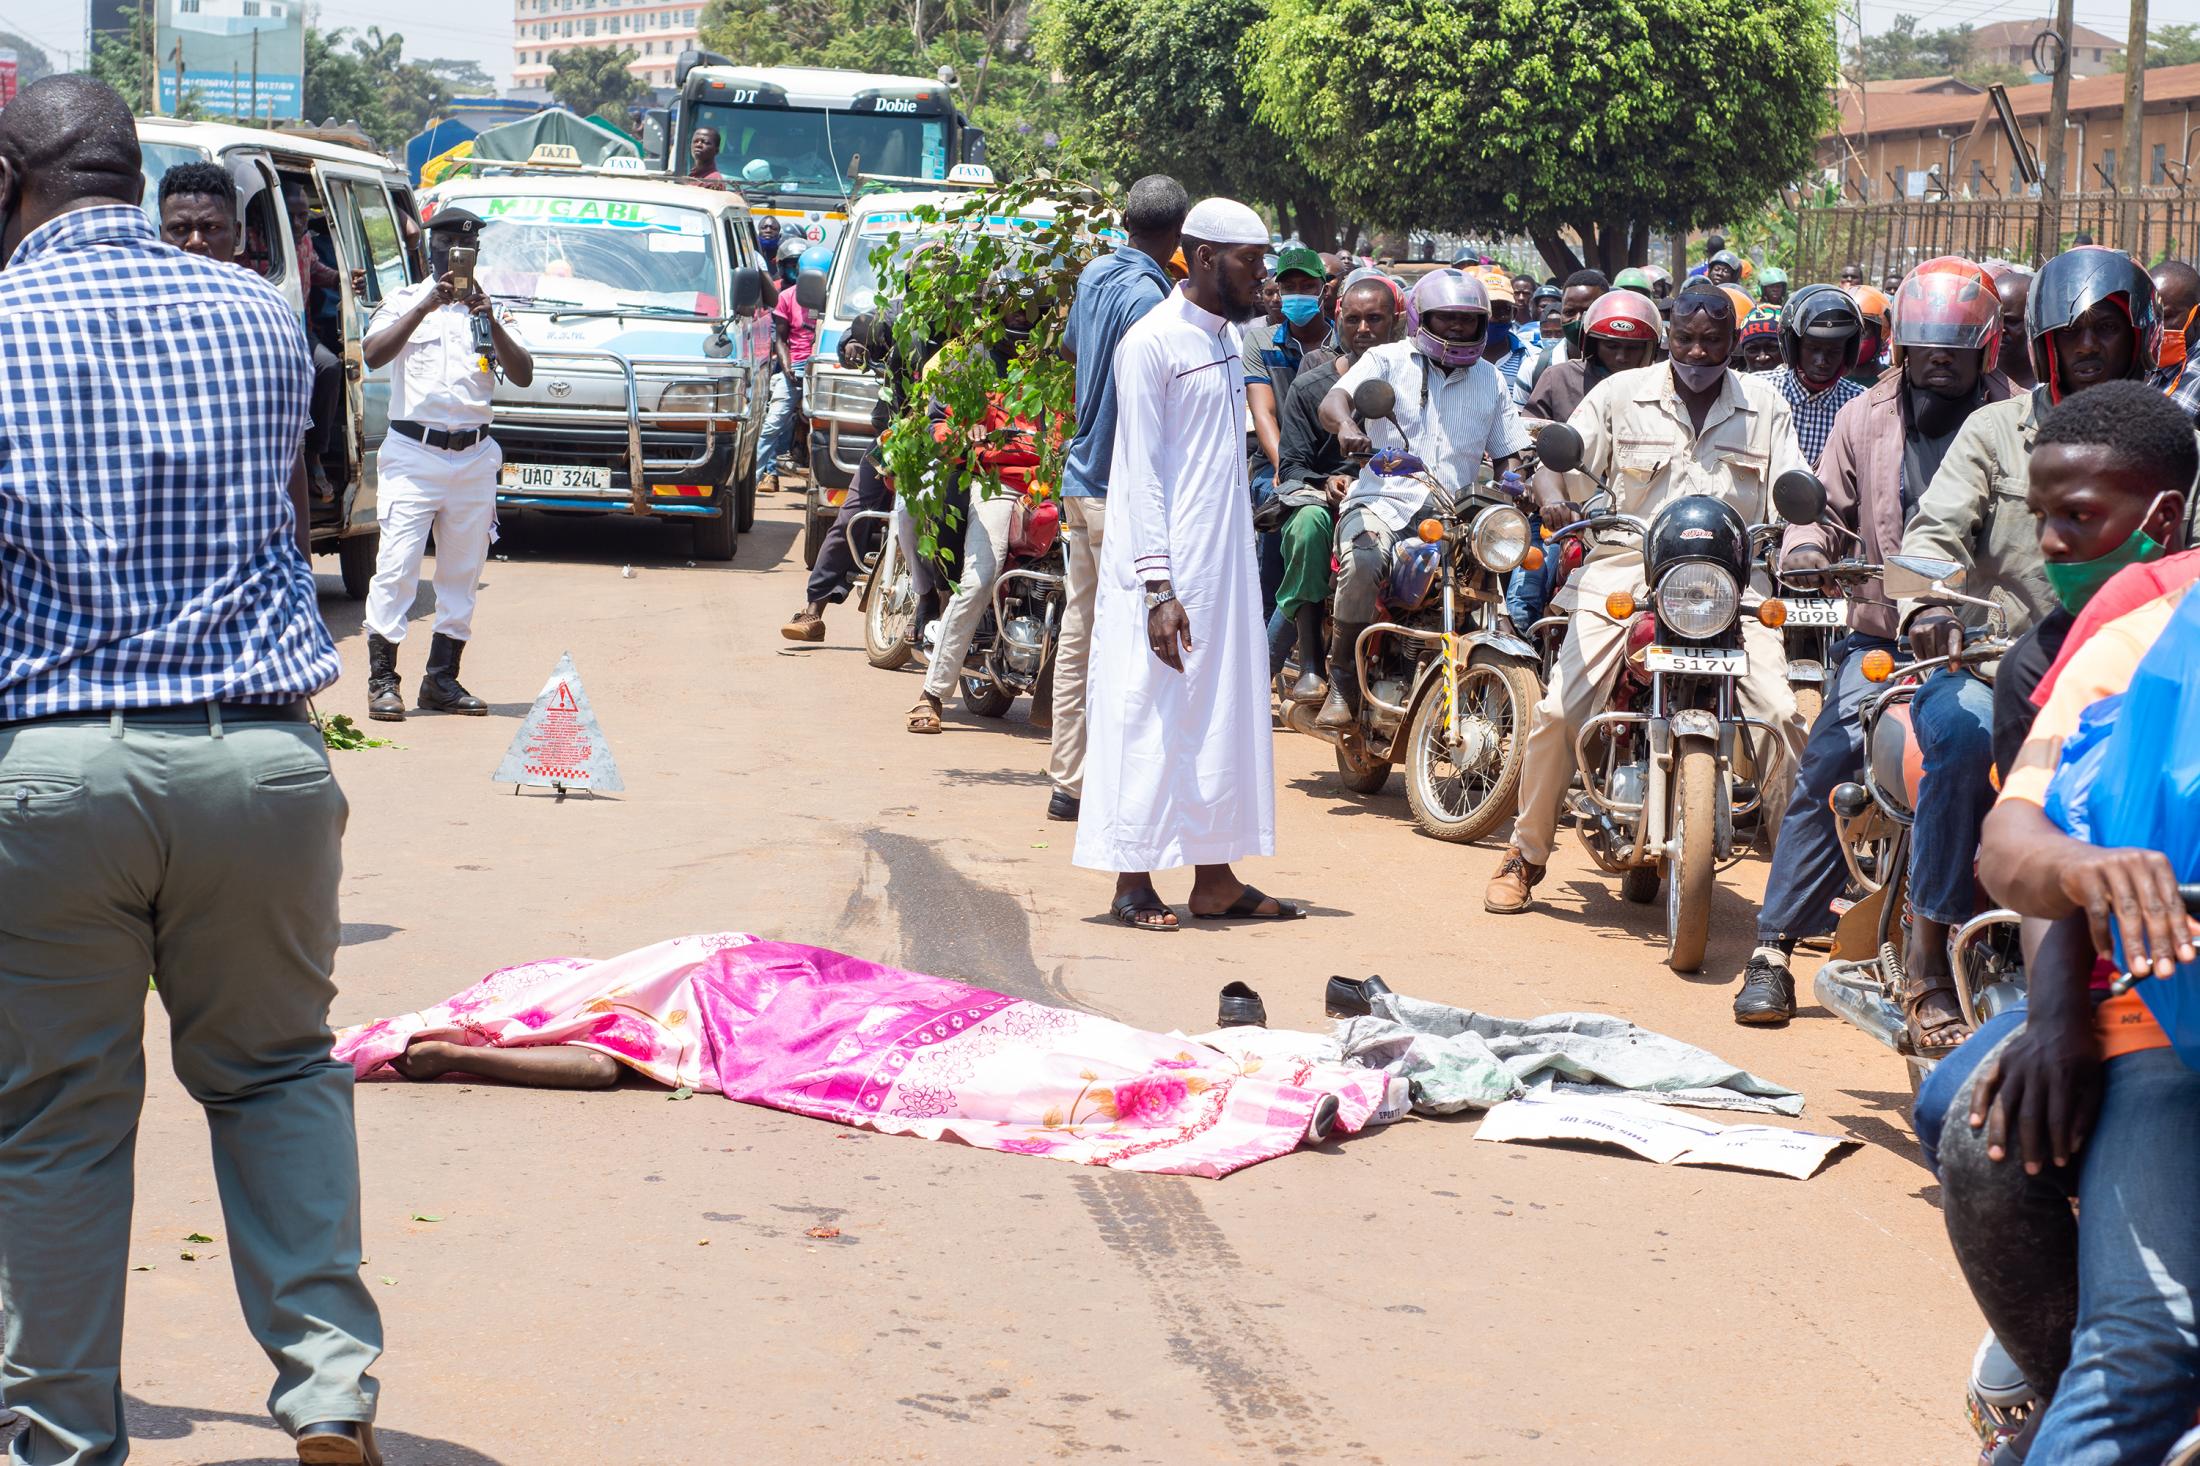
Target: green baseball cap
<point x="1299" y="260"/>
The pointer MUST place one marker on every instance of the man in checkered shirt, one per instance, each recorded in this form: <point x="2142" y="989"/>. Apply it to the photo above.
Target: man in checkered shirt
<point x="1820" y="332"/>
<point x="166" y="808"/>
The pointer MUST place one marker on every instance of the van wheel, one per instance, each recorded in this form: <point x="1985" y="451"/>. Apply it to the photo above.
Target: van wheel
<point x="744" y="518"/>
<point x="355" y="557"/>
<point x="716" y="537"/>
<point x="816" y="532"/>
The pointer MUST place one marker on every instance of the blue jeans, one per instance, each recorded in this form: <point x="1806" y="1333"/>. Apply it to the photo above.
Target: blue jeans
<point x="2134" y="1374"/>
<point x="1528" y="592"/>
<point x="1937" y="1095"/>
<point x="779" y="421"/>
<point x="1953" y="714"/>
<point x="1808" y="871"/>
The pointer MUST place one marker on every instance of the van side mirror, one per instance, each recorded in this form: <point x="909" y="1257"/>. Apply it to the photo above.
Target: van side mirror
<point x="1798" y="497"/>
<point x="809" y="291"/>
<point x="748" y="291"/>
<point x="1558" y="448"/>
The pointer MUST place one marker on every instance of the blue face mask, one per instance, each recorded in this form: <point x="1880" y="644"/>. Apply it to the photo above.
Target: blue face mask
<point x="1299" y="309"/>
<point x="1500" y="339"/>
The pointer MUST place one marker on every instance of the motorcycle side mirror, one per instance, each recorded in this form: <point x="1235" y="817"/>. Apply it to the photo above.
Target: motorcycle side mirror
<point x="1910" y="577"/>
<point x="809" y="290"/>
<point x="1558" y="447"/>
<point x="1798" y="496"/>
<point x="1373" y="400"/>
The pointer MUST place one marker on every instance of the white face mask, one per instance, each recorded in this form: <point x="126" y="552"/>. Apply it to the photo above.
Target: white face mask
<point x="1699" y="377"/>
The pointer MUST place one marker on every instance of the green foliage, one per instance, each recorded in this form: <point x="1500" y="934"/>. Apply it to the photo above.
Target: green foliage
<point x="339" y="732"/>
<point x="460" y="77"/>
<point x="120" y="61"/>
<point x="31" y="61"/>
<point x="1163" y="87"/>
<point x="591" y="79"/>
<point x="365" y="78"/>
<point x="2168" y="45"/>
<point x="1611" y="120"/>
<point x="1902" y="50"/>
<point x="945" y="301"/>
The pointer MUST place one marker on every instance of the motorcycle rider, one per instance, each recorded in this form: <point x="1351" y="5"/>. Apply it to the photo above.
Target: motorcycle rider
<point x="1772" y="286"/>
<point x="1690" y="425"/>
<point x="1760" y="340"/>
<point x="1871" y="304"/>
<point x="1723" y="268"/>
<point x="1821" y="341"/>
<point x="1452" y="409"/>
<point x="2091" y="319"/>
<point x="1314" y="479"/>
<point x="1619" y="333"/>
<point x="1580" y="291"/>
<point x="2014" y="286"/>
<point x="1885" y="447"/>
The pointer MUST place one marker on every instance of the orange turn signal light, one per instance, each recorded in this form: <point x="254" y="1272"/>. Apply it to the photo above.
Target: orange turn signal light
<point x="1533" y="560"/>
<point x="1877" y="666"/>
<point x="1619" y="605"/>
<point x="1432" y="531"/>
<point x="1773" y="613"/>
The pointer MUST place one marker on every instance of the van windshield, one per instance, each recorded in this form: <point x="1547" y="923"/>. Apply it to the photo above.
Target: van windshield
<point x="859" y="282"/>
<point x="598" y="254"/>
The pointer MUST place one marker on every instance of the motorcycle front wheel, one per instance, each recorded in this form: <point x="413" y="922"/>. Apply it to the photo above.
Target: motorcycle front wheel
<point x="889" y="600"/>
<point x="1695" y="857"/>
<point x="1461" y="794"/>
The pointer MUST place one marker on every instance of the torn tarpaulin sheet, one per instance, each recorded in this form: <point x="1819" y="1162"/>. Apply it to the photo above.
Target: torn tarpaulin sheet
<point x="1460" y="1060"/>
<point x="1658" y="1133"/>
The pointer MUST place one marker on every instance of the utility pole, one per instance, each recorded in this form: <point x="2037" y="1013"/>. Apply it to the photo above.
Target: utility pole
<point x="2135" y="106"/>
<point x="2058" y="112"/>
<point x="255" y="73"/>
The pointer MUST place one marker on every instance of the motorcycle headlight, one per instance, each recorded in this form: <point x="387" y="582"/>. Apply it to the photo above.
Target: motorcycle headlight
<point x="1501" y="538"/>
<point x="1697" y="600"/>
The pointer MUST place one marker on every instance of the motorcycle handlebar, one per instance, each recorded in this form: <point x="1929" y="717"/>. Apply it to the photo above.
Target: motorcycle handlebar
<point x="1605" y="521"/>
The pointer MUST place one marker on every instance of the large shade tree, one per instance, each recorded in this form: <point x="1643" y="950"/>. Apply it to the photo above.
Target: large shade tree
<point x="1611" y="120"/>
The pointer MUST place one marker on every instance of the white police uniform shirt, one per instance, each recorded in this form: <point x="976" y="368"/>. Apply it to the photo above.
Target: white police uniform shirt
<point x="1449" y="419"/>
<point x="437" y="377"/>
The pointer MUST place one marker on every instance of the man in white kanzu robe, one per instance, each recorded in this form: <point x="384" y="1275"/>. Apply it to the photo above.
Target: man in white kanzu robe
<point x="1179" y="769"/>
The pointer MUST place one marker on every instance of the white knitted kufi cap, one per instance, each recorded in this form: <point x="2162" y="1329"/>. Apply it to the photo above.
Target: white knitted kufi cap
<point x="1225" y="221"/>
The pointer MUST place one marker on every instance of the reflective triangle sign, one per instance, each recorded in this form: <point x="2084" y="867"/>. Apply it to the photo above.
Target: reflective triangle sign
<point x="560" y="743"/>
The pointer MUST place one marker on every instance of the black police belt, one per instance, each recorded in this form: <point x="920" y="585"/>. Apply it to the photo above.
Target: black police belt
<point x="452" y="440"/>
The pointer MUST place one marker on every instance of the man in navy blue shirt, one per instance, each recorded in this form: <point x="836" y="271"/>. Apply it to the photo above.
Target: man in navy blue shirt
<point x="1112" y="294"/>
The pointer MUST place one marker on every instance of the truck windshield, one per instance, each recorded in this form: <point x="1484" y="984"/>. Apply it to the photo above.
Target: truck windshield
<point x="598" y="254"/>
<point x="816" y="152"/>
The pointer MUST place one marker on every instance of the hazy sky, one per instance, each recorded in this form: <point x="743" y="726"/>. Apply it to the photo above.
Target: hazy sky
<point x="482" y="29"/>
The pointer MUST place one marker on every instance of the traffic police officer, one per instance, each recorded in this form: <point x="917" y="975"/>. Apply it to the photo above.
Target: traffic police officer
<point x="438" y="466"/>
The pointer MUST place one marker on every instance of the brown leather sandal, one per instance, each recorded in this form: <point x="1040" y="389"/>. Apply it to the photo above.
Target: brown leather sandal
<point x="1945" y="1033"/>
<point x="924" y="718"/>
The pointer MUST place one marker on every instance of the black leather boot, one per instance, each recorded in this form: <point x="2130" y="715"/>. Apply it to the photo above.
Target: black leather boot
<point x="1342" y="709"/>
<point x="1310" y="688"/>
<point x="439" y="689"/>
<point x="385" y="704"/>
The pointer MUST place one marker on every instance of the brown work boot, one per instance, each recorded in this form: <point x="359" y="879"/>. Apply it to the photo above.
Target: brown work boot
<point x="1511" y="890"/>
<point x="808" y="625"/>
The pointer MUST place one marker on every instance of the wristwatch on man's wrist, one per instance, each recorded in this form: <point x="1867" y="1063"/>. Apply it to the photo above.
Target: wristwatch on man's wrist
<point x="1155" y="599"/>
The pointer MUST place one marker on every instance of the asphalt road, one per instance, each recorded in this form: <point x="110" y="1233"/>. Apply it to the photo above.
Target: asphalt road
<point x="615" y="1279"/>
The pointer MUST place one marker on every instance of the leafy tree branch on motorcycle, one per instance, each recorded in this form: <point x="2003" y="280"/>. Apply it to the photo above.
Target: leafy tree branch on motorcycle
<point x="1883" y="446"/>
<point x="1685" y="427"/>
<point x="1452" y="409"/>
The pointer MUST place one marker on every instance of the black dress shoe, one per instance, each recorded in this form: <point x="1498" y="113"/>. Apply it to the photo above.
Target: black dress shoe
<point x="1241" y="1007"/>
<point x="1343" y="998"/>
<point x="338" y="1443"/>
<point x="1062" y="805"/>
<point x="1767" y="996"/>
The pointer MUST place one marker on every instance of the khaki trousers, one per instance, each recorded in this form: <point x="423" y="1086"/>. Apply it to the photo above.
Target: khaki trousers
<point x="1581" y="681"/>
<point x="1083" y="523"/>
<point x="207" y="856"/>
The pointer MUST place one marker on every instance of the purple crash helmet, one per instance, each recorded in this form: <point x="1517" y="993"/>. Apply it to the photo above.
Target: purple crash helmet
<point x="1448" y="290"/>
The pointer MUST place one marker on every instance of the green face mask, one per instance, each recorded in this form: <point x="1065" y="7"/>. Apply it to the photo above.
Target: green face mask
<point x="2075" y="581"/>
<point x="1572" y="332"/>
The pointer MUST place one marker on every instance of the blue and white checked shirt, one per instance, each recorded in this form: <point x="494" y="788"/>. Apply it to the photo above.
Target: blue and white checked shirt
<point x="152" y="407"/>
<point x="1813" y="412"/>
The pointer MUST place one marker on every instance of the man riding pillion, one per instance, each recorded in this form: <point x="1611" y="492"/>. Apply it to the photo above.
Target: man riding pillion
<point x="2091" y="319"/>
<point x="1821" y="340"/>
<point x="1452" y="409"/>
<point x="1885" y="449"/>
<point x="1690" y="425"/>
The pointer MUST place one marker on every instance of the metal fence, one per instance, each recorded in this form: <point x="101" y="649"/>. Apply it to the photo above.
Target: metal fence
<point x="1891" y="237"/>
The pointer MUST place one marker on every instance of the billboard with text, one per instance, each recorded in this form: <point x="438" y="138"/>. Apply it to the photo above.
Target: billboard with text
<point x="242" y="58"/>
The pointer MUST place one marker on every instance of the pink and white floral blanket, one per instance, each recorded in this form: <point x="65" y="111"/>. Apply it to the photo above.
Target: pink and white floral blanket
<point x="824" y="1034"/>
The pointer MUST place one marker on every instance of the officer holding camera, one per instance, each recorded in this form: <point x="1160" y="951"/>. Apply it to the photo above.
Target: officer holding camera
<point x="439" y="465"/>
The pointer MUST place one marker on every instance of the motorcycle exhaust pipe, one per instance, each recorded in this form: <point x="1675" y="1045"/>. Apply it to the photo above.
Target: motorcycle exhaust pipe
<point x="1299" y="718"/>
<point x="1850" y="990"/>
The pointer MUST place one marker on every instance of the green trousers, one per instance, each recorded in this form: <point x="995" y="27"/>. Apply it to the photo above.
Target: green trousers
<point x="1308" y="545"/>
<point x="207" y="855"/>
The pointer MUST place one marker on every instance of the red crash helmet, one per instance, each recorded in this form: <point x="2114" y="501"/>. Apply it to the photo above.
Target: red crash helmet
<point x="1951" y="302"/>
<point x="1621" y="315"/>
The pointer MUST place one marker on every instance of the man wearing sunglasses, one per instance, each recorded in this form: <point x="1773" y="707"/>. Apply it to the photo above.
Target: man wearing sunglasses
<point x="1688" y="425"/>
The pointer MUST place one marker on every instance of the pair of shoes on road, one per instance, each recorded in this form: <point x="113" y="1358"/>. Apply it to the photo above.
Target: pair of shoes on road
<point x="1063" y="806"/>
<point x="1512" y="890"/>
<point x="1240" y="1007"/>
<point x="338" y="1443"/>
<point x="807" y="624"/>
<point x="1344" y="998"/>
